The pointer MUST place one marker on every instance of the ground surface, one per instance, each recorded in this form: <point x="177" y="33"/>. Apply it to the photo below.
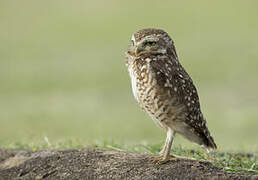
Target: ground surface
<point x="93" y="163"/>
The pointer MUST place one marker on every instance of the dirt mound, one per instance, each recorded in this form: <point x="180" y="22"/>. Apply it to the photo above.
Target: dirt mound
<point x="102" y="164"/>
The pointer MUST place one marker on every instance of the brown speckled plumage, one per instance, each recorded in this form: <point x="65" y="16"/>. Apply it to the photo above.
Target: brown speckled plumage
<point x="164" y="89"/>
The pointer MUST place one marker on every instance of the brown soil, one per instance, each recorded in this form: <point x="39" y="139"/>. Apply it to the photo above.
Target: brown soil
<point x="102" y="164"/>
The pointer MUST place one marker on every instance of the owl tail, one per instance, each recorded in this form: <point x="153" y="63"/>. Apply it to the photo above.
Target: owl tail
<point x="209" y="144"/>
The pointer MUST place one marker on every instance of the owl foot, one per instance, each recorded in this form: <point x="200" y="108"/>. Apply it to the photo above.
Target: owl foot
<point x="161" y="159"/>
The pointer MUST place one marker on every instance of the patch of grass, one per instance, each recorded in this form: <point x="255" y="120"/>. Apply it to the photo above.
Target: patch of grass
<point x="43" y="144"/>
<point x="236" y="162"/>
<point x="228" y="161"/>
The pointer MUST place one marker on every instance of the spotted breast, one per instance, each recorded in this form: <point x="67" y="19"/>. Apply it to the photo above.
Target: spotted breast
<point x="152" y="98"/>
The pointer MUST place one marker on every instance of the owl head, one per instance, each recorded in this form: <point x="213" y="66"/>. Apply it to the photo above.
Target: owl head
<point x="147" y="42"/>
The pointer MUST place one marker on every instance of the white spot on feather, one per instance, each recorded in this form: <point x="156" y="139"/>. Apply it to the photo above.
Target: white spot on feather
<point x="143" y="67"/>
<point x="148" y="60"/>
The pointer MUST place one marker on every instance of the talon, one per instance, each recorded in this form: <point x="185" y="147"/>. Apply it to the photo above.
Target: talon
<point x="161" y="159"/>
<point x="158" y="160"/>
<point x="172" y="158"/>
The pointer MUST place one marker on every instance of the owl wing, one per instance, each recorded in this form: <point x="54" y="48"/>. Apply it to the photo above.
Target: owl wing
<point x="172" y="76"/>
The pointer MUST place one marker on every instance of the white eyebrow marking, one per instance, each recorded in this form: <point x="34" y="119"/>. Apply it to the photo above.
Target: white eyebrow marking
<point x="133" y="39"/>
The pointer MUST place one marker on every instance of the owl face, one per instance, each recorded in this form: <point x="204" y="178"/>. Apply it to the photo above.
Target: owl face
<point x="149" y="42"/>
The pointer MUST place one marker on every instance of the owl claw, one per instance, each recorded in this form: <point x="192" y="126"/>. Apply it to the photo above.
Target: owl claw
<point x="161" y="159"/>
<point x="157" y="160"/>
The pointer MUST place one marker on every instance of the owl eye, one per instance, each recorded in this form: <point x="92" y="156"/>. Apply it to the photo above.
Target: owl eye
<point x="150" y="43"/>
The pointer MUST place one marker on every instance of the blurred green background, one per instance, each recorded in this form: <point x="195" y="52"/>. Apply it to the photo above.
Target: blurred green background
<point x="62" y="70"/>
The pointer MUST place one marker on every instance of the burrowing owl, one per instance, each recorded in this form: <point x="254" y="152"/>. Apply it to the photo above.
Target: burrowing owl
<point x="164" y="89"/>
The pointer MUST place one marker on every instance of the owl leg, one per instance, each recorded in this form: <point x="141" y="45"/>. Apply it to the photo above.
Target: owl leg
<point x="165" y="152"/>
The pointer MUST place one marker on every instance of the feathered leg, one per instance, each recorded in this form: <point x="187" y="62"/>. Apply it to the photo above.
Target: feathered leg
<point x="165" y="152"/>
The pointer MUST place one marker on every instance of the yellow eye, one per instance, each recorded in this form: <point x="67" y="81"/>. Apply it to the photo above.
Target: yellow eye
<point x="151" y="43"/>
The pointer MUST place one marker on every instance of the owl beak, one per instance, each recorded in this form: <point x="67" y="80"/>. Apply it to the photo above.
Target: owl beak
<point x="138" y="50"/>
